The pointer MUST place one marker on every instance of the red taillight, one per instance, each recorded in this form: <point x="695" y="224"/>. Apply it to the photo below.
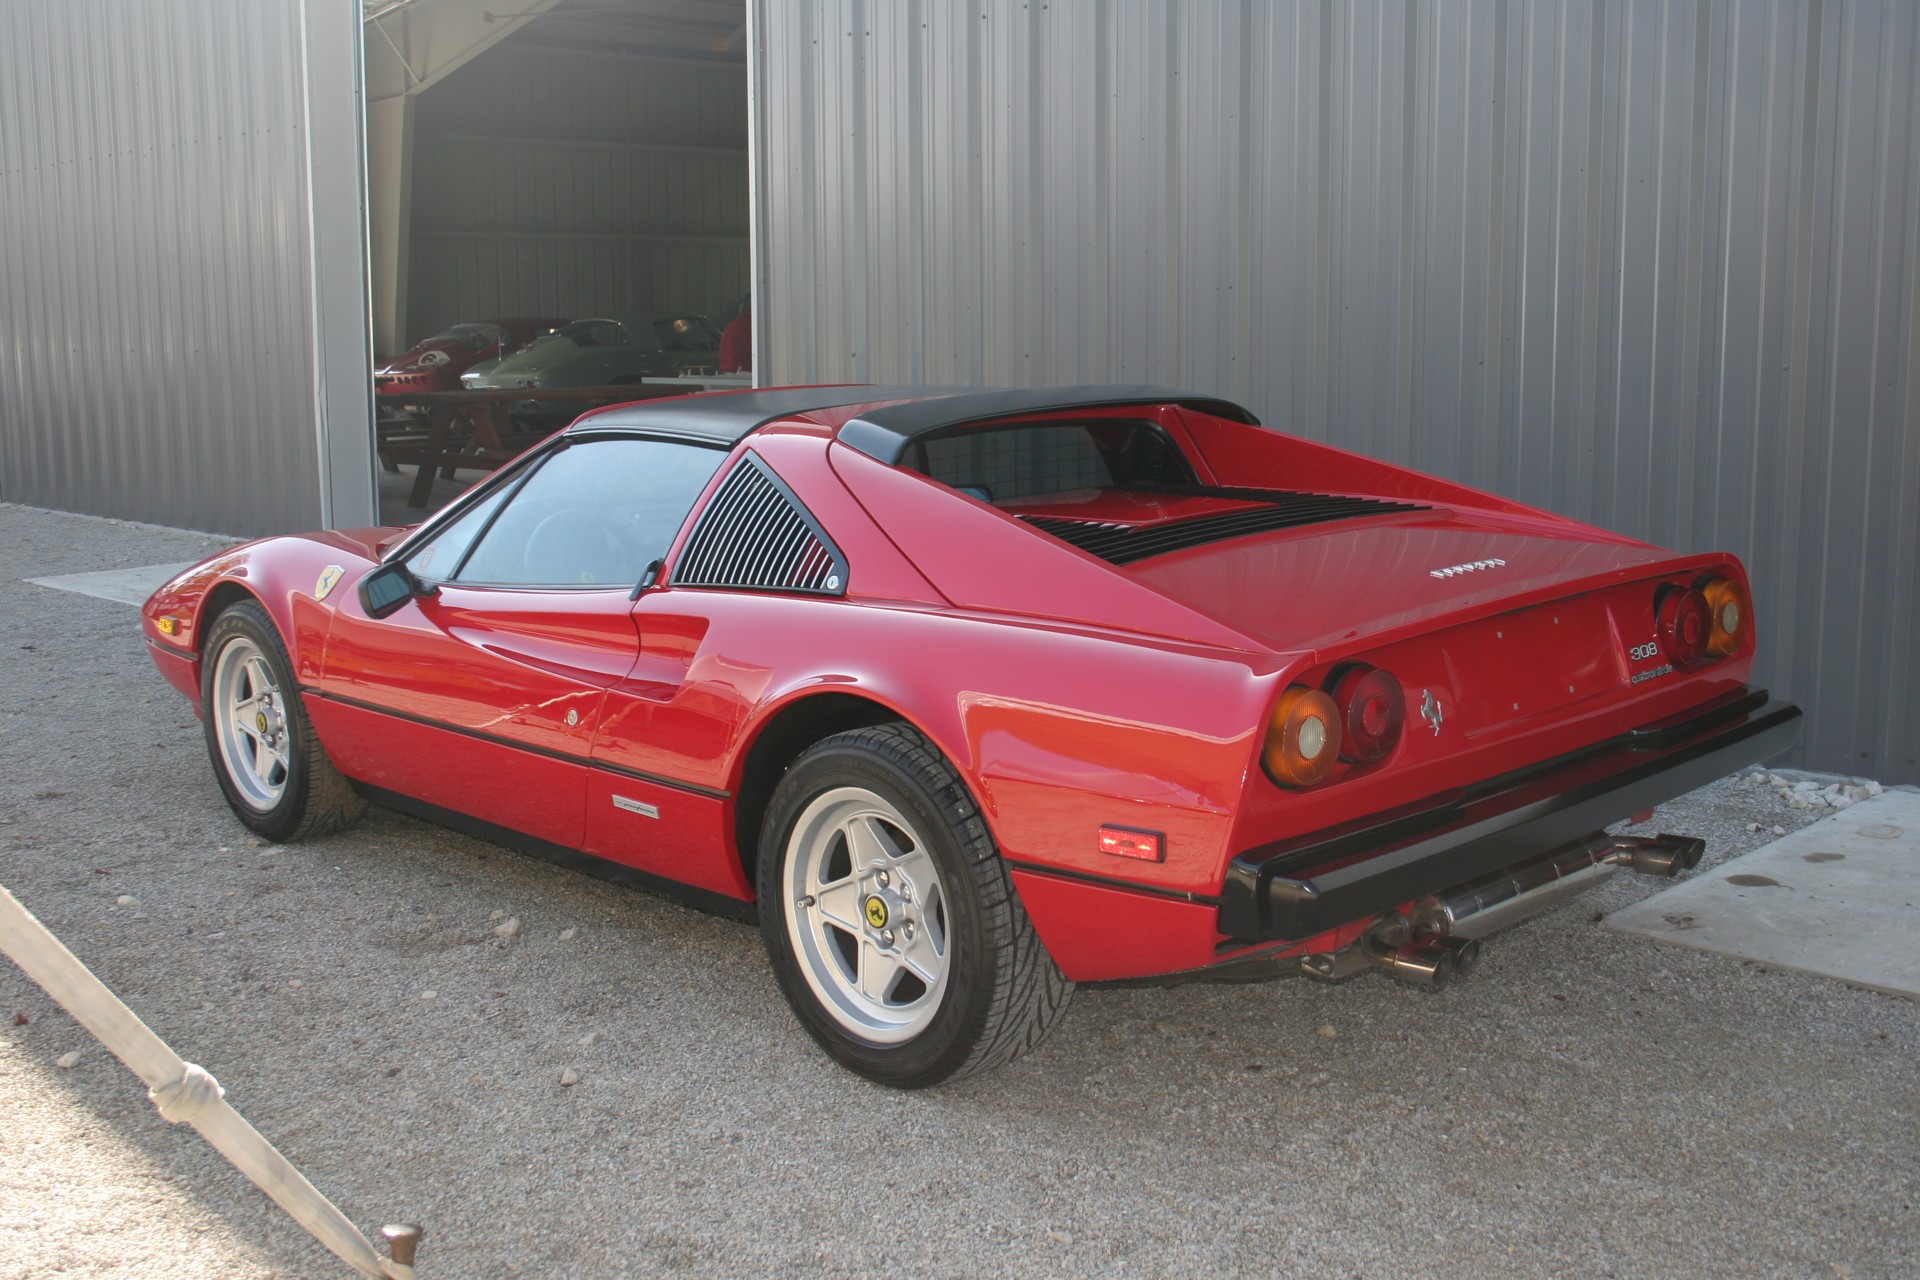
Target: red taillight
<point x="1684" y="627"/>
<point x="1128" y="842"/>
<point x="1372" y="712"/>
<point x="1303" y="738"/>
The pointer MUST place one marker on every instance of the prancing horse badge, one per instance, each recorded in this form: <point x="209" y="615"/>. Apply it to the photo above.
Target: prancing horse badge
<point x="1430" y="710"/>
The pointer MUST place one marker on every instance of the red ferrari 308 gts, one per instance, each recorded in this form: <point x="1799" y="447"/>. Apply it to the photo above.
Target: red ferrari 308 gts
<point x="973" y="695"/>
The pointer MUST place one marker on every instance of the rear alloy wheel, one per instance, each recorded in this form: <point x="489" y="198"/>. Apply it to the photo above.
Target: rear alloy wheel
<point x="276" y="776"/>
<point x="891" y="923"/>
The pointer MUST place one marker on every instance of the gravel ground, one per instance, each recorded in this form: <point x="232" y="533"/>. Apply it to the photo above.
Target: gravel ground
<point x="1587" y="1104"/>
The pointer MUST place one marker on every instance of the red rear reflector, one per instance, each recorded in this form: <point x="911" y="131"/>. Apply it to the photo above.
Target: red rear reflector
<point x="1684" y="624"/>
<point x="1126" y="842"/>
<point x="1372" y="711"/>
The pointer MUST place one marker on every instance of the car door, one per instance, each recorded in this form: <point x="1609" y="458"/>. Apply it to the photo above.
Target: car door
<point x="484" y="696"/>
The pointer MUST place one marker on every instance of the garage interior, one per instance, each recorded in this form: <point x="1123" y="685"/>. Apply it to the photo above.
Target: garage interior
<point x="569" y="158"/>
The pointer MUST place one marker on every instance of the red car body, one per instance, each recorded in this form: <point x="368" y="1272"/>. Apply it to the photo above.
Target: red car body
<point x="436" y="363"/>
<point x="1101" y="668"/>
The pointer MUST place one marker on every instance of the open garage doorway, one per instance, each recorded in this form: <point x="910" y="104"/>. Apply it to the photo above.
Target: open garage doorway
<point x="577" y="166"/>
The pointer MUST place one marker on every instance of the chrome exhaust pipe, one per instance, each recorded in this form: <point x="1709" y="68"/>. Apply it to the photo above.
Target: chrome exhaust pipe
<point x="1421" y="964"/>
<point x="1429" y="961"/>
<point x="1465" y="952"/>
<point x="1480" y="907"/>
<point x="1661" y="855"/>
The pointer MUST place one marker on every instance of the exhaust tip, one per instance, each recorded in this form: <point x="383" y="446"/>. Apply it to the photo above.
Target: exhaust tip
<point x="1661" y="855"/>
<point x="1423" y="965"/>
<point x="1465" y="952"/>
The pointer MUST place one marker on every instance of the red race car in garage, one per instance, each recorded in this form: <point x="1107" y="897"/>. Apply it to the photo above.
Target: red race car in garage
<point x="436" y="363"/>
<point x="969" y="696"/>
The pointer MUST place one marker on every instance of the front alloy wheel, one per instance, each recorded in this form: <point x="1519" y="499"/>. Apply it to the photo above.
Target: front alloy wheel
<point x="249" y="723"/>
<point x="275" y="774"/>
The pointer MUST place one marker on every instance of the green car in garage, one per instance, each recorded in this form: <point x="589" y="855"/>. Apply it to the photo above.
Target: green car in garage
<point x="605" y="352"/>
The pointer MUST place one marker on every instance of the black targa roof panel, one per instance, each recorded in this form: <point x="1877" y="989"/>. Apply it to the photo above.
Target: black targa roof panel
<point x="727" y="417"/>
<point x="886" y="433"/>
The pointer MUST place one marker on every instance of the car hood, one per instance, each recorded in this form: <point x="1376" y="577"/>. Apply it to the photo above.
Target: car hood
<point x="548" y="359"/>
<point x="1329" y="584"/>
<point x="404" y="362"/>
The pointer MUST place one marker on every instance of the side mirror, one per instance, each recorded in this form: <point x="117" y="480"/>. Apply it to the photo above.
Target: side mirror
<point x="390" y="586"/>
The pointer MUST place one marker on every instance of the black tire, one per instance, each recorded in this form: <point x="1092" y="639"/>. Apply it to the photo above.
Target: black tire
<point x="998" y="992"/>
<point x="295" y="792"/>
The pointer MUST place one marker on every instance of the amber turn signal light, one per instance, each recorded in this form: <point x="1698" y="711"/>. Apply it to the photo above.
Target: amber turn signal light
<point x="1303" y="738"/>
<point x="1727" y="606"/>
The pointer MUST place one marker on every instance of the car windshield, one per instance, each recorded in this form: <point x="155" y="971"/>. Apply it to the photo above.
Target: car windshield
<point x="1026" y="460"/>
<point x="474" y="337"/>
<point x="686" y="333"/>
<point x="595" y="333"/>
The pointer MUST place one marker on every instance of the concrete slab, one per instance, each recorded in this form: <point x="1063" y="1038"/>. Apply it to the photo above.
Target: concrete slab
<point x="1840" y="898"/>
<point x="128" y="586"/>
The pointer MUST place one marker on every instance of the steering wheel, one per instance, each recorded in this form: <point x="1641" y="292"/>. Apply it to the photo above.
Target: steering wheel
<point x="590" y="548"/>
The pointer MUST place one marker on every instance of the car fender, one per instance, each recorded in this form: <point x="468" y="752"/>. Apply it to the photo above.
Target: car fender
<point x="292" y="578"/>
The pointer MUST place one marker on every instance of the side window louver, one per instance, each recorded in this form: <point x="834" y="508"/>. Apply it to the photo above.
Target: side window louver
<point x="755" y="534"/>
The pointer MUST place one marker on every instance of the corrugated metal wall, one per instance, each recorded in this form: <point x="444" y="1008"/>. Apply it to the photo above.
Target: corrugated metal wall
<point x="599" y="182"/>
<point x="158" y="305"/>
<point x="1653" y="265"/>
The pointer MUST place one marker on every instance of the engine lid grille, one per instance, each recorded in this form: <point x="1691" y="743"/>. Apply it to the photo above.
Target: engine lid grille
<point x="1280" y="509"/>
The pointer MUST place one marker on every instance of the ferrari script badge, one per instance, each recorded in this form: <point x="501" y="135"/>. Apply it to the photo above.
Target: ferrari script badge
<point x="876" y="912"/>
<point x="1430" y="710"/>
<point x="1471" y="566"/>
<point x="328" y="577"/>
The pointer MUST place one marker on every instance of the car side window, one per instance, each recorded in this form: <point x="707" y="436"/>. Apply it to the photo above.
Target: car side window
<point x="437" y="560"/>
<point x="595" y="514"/>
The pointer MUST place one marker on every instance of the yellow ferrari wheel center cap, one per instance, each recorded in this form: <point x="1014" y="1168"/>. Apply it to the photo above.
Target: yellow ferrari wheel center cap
<point x="876" y="912"/>
<point x="260" y="720"/>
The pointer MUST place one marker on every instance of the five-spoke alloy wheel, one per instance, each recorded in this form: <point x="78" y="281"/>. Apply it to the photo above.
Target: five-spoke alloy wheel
<point x="275" y="774"/>
<point x="869" y="917"/>
<point x="250" y="723"/>
<point x="892" y="925"/>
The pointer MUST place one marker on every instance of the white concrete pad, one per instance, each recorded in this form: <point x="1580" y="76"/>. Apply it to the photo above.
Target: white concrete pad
<point x="128" y="586"/>
<point x="1840" y="898"/>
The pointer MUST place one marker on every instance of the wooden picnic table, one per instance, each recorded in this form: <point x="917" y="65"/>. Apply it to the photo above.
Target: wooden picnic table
<point x="476" y="429"/>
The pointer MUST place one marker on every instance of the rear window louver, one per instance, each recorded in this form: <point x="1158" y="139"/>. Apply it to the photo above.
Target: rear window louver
<point x="1279" y="509"/>
<point x="756" y="535"/>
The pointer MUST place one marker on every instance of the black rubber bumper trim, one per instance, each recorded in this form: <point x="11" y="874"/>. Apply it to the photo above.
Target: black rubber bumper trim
<point x="1295" y="889"/>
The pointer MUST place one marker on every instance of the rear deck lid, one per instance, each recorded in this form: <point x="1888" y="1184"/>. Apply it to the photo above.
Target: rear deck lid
<point x="1352" y="567"/>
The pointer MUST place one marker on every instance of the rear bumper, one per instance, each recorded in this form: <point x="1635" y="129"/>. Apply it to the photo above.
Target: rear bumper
<point x="1294" y="889"/>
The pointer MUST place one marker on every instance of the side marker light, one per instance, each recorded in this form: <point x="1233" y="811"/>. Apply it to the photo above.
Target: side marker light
<point x="1130" y="842"/>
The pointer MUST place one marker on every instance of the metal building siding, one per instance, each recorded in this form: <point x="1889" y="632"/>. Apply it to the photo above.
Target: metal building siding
<point x="601" y="182"/>
<point x="1655" y="266"/>
<point x="155" y="293"/>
